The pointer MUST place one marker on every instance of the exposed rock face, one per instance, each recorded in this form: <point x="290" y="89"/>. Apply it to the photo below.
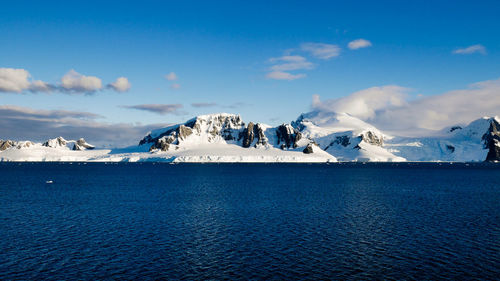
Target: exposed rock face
<point x="288" y="136"/>
<point x="248" y="135"/>
<point x="55" y="143"/>
<point x="251" y="132"/>
<point x="261" y="137"/>
<point x="450" y="148"/>
<point x="212" y="127"/>
<point x="492" y="141"/>
<point x="345" y="141"/>
<point x="372" y="138"/>
<point x="6" y="144"/>
<point x="183" y="132"/>
<point x="162" y="143"/>
<point x="342" y="140"/>
<point x="309" y="148"/>
<point x="81" y="144"/>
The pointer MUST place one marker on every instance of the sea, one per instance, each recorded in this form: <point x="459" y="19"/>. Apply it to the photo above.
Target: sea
<point x="345" y="221"/>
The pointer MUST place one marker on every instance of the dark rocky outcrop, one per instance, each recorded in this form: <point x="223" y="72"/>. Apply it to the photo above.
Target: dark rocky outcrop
<point x="251" y="132"/>
<point x="163" y="143"/>
<point x="55" y="143"/>
<point x="183" y="132"/>
<point x="342" y="140"/>
<point x="81" y="144"/>
<point x="372" y="138"/>
<point x="248" y="135"/>
<point x="492" y="141"/>
<point x="287" y="136"/>
<point x="345" y="141"/>
<point x="309" y="148"/>
<point x="450" y="148"/>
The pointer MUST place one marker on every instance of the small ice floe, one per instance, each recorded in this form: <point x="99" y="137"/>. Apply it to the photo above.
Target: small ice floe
<point x="49" y="182"/>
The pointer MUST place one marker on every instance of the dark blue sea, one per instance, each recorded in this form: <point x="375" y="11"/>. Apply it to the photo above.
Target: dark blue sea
<point x="148" y="221"/>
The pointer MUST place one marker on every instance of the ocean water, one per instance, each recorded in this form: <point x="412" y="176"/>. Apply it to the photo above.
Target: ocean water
<point x="150" y="221"/>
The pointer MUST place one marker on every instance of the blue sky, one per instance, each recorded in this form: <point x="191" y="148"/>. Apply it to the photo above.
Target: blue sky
<point x="223" y="52"/>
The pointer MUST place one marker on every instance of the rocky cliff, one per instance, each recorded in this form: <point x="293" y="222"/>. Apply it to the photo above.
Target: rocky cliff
<point x="492" y="141"/>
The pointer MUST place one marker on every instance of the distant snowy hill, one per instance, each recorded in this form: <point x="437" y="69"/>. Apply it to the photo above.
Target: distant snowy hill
<point x="462" y="144"/>
<point x="314" y="137"/>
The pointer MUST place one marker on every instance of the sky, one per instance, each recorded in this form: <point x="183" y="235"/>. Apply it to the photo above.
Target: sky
<point x="110" y="71"/>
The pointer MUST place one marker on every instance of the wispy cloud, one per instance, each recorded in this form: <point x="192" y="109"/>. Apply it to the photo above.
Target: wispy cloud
<point x="321" y="50"/>
<point x="157" y="108"/>
<point x="288" y="63"/>
<point x="237" y="105"/>
<point x="214" y="104"/>
<point x="40" y="125"/>
<point x="281" y="75"/>
<point x="171" y="76"/>
<point x="12" y="111"/>
<point x="358" y="44"/>
<point x="284" y="64"/>
<point x="40" y="86"/>
<point x="204" y="104"/>
<point x="19" y="80"/>
<point x="479" y="49"/>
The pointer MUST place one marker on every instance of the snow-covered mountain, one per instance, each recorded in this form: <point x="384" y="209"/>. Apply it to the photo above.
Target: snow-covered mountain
<point x="225" y="137"/>
<point x="314" y="137"/>
<point x="473" y="142"/>
<point x="344" y="136"/>
<point x="57" y="149"/>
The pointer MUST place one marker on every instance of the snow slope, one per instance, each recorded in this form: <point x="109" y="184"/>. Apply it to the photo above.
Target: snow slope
<point x="313" y="137"/>
<point x="346" y="137"/>
<point x="457" y="143"/>
<point x="208" y="138"/>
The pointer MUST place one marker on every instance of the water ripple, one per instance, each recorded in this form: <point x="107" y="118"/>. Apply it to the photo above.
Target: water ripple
<point x="293" y="222"/>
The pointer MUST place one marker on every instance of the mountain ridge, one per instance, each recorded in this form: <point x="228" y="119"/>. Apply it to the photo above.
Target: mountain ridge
<point x="313" y="137"/>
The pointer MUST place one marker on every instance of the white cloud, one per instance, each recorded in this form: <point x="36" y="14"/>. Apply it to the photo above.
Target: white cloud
<point x="120" y="85"/>
<point x="19" y="80"/>
<point x="281" y="75"/>
<point x="321" y="50"/>
<point x="76" y="82"/>
<point x="365" y="103"/>
<point x="471" y="50"/>
<point x="358" y="44"/>
<point x="14" y="80"/>
<point x="40" y="86"/>
<point x="171" y="76"/>
<point x="390" y="109"/>
<point x="175" y="86"/>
